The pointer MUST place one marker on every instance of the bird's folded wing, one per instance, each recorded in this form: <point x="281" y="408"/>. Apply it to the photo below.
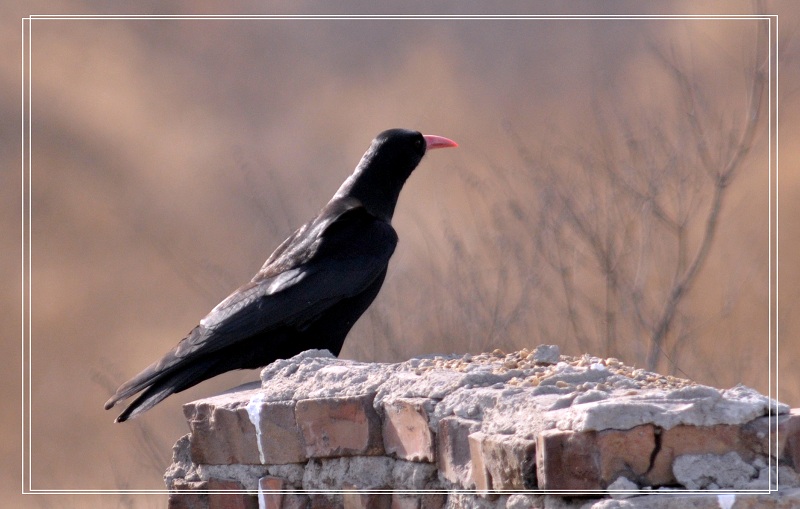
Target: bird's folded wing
<point x="346" y="258"/>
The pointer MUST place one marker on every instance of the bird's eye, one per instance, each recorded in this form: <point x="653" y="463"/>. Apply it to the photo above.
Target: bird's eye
<point x="418" y="143"/>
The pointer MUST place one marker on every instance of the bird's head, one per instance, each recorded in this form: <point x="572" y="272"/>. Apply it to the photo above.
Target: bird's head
<point x="401" y="149"/>
<point x="385" y="167"/>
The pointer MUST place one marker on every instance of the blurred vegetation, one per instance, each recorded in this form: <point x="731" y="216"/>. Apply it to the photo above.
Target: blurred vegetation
<point x="609" y="242"/>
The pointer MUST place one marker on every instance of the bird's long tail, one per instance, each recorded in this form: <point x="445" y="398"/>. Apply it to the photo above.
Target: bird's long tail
<point x="159" y="386"/>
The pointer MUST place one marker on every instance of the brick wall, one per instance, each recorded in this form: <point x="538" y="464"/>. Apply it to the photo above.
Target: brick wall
<point x="517" y="430"/>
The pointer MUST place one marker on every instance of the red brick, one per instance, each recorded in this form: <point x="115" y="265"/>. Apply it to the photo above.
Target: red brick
<point x="719" y="439"/>
<point x="184" y="495"/>
<point x="221" y="434"/>
<point x="406" y="434"/>
<point x="480" y="475"/>
<point x="625" y="452"/>
<point x="281" y="439"/>
<point x="502" y="462"/>
<point x="229" y="500"/>
<point x="791" y="451"/>
<point x="270" y="500"/>
<point x="452" y="450"/>
<point x="340" y="426"/>
<point x="287" y="500"/>
<point x="784" y="434"/>
<point x="566" y="460"/>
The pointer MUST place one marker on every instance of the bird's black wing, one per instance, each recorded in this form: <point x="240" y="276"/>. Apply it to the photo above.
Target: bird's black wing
<point x="337" y="256"/>
<point x="334" y="257"/>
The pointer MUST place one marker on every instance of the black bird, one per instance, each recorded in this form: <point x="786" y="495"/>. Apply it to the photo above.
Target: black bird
<point x="309" y="292"/>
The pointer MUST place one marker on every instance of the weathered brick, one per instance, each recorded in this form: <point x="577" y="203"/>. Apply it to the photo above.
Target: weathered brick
<point x="452" y="450"/>
<point x="406" y="434"/>
<point x="625" y="452"/>
<point x="480" y="474"/>
<point x="229" y="500"/>
<point x="784" y="434"/>
<point x="502" y="462"/>
<point x="791" y="434"/>
<point x="222" y="434"/>
<point x="791" y="450"/>
<point x="340" y="426"/>
<point x="185" y="495"/>
<point x="281" y="439"/>
<point x="267" y="488"/>
<point x="566" y="460"/>
<point x="683" y="439"/>
<point x="271" y="497"/>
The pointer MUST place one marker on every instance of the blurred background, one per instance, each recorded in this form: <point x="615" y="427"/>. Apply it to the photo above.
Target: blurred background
<point x="610" y="195"/>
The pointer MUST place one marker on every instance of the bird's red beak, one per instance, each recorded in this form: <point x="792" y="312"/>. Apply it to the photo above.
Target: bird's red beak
<point x="434" y="141"/>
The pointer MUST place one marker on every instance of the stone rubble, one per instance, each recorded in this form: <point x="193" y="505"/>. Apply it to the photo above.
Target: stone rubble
<point x="462" y="431"/>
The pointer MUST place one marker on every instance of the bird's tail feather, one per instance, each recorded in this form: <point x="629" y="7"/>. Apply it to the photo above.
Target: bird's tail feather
<point x="162" y="368"/>
<point x="147" y="400"/>
<point x="149" y="376"/>
<point x="165" y="384"/>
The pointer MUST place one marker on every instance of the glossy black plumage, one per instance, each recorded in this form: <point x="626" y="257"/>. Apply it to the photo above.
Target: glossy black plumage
<point x="309" y="292"/>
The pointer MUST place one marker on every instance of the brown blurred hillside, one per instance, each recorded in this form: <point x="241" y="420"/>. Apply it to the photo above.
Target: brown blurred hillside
<point x="169" y="157"/>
